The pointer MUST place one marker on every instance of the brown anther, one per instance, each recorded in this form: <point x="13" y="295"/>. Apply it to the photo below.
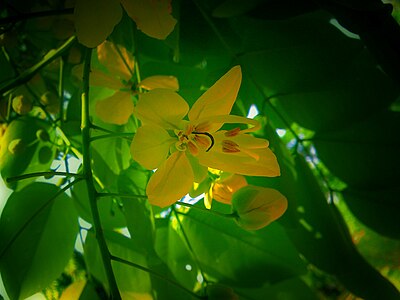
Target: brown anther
<point x="230" y="146"/>
<point x="193" y="148"/>
<point x="203" y="127"/>
<point x="232" y="132"/>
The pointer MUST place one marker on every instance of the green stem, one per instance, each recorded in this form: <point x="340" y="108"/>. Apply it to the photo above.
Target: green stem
<point x="92" y="193"/>
<point x="208" y="211"/>
<point x="126" y="135"/>
<point x="132" y="264"/>
<point x="103" y="195"/>
<point x="39" y="174"/>
<point x="29" y="73"/>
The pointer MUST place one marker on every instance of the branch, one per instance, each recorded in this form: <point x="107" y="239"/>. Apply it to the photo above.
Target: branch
<point x="92" y="193"/>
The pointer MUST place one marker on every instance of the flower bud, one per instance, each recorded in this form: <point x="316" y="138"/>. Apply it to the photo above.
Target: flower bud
<point x="256" y="207"/>
<point x="223" y="189"/>
<point x="21" y="105"/>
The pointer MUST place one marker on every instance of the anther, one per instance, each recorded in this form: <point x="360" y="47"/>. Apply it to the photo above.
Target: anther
<point x="230" y="146"/>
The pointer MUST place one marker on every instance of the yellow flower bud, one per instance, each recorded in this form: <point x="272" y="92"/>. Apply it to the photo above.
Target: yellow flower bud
<point x="256" y="207"/>
<point x="51" y="101"/>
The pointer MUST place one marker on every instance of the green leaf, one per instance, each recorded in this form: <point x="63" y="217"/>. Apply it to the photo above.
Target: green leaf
<point x="110" y="211"/>
<point x="364" y="155"/>
<point x="129" y="278"/>
<point x="238" y="257"/>
<point x="174" y="252"/>
<point x="138" y="212"/>
<point x="377" y="209"/>
<point x="318" y="231"/>
<point x="31" y="155"/>
<point x="38" y="228"/>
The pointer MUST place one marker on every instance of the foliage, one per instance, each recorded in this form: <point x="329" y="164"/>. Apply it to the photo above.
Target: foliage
<point x="272" y="126"/>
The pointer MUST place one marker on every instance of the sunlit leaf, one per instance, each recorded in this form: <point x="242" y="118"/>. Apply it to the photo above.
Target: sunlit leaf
<point x="38" y="228"/>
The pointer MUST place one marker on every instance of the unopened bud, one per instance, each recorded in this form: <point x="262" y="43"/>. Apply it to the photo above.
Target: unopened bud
<point x="42" y="135"/>
<point x="51" y="101"/>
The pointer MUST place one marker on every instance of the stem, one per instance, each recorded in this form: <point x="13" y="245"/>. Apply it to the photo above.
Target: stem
<point x="103" y="195"/>
<point x="132" y="264"/>
<point x="92" y="193"/>
<point x="39" y="174"/>
<point x="125" y="135"/>
<point x="29" y="73"/>
<point x="204" y="210"/>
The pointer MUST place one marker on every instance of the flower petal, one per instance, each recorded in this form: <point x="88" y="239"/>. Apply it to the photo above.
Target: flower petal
<point x="150" y="146"/>
<point x="242" y="163"/>
<point x="98" y="78"/>
<point x="218" y="99"/>
<point x="116" y="59"/>
<point x="115" y="109"/>
<point x="160" y="82"/>
<point x="152" y="17"/>
<point x="172" y="180"/>
<point x="257" y="207"/>
<point x="224" y="189"/>
<point x="161" y="107"/>
<point x="95" y="20"/>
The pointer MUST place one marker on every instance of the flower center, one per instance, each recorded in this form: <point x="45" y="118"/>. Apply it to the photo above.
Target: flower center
<point x="193" y="140"/>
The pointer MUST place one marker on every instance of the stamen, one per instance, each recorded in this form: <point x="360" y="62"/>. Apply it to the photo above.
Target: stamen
<point x="193" y="148"/>
<point x="232" y="132"/>
<point x="230" y="146"/>
<point x="206" y="134"/>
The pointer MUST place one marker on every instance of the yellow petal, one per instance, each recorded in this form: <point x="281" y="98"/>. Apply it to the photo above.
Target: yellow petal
<point x="115" y="109"/>
<point x="98" y="78"/>
<point x="160" y="82"/>
<point x="224" y="189"/>
<point x="218" y="99"/>
<point x="161" y="107"/>
<point x="95" y="20"/>
<point x="152" y="17"/>
<point x="150" y="146"/>
<point x="257" y="207"/>
<point x="116" y="59"/>
<point x="172" y="180"/>
<point x="242" y="163"/>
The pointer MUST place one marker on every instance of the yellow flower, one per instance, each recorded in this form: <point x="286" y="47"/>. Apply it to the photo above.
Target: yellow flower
<point x="182" y="150"/>
<point x="117" y="108"/>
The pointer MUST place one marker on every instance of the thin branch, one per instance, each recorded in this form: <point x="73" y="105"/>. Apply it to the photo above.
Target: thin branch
<point x="126" y="135"/>
<point x="39" y="174"/>
<point x="29" y="73"/>
<point x="178" y="285"/>
<point x="103" y="195"/>
<point x="33" y="15"/>
<point x="92" y="193"/>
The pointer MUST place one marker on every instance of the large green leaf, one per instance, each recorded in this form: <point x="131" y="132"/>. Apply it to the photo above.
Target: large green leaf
<point x="318" y="231"/>
<point x="22" y="151"/>
<point x="38" y="228"/>
<point x="129" y="279"/>
<point x="376" y="208"/>
<point x="138" y="212"/>
<point x="234" y="256"/>
<point x="364" y="155"/>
